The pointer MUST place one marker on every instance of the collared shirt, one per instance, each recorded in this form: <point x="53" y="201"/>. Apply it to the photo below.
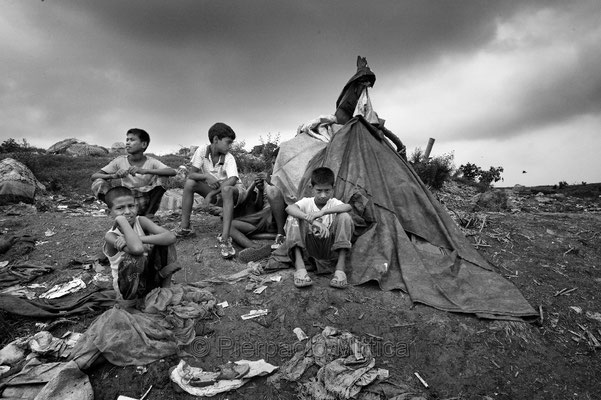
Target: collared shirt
<point x="223" y="169"/>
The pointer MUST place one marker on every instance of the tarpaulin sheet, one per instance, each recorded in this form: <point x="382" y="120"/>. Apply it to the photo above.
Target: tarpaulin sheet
<point x="410" y="242"/>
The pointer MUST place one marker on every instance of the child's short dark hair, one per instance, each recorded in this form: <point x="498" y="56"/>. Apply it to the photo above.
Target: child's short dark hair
<point x="221" y="130"/>
<point x="116" y="192"/>
<point x="322" y="176"/>
<point x="141" y="134"/>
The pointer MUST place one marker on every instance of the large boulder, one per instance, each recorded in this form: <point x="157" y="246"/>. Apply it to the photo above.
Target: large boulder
<point x="84" y="149"/>
<point x="118" y="148"/>
<point x="17" y="183"/>
<point x="74" y="147"/>
<point x="60" y="147"/>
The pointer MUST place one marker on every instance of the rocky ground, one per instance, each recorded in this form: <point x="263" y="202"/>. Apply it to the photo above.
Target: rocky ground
<point x="548" y="245"/>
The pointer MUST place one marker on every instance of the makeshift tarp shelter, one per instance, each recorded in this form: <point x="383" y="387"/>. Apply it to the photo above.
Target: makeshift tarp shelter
<point x="406" y="239"/>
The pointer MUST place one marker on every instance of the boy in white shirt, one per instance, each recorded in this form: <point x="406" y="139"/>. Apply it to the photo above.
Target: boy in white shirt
<point x="214" y="175"/>
<point x="322" y="228"/>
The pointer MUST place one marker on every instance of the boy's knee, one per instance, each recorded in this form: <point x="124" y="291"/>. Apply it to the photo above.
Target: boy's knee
<point x="344" y="218"/>
<point x="228" y="191"/>
<point x="189" y="185"/>
<point x="273" y="193"/>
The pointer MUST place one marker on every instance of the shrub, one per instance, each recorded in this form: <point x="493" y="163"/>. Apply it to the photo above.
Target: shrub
<point x="473" y="175"/>
<point x="435" y="171"/>
<point x="12" y="146"/>
<point x="469" y="171"/>
<point x="562" y="184"/>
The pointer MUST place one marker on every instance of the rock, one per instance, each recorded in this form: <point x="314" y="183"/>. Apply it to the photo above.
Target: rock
<point x="118" y="148"/>
<point x="17" y="183"/>
<point x="61" y="146"/>
<point x="74" y="147"/>
<point x="84" y="149"/>
<point x="493" y="200"/>
<point x="520" y="189"/>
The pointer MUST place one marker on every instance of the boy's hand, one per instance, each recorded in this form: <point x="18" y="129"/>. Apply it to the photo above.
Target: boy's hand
<point x="212" y="182"/>
<point x="311" y="217"/>
<point x="320" y="230"/>
<point x="260" y="181"/>
<point x="121" y="173"/>
<point x="135" y="170"/>
<point x="120" y="243"/>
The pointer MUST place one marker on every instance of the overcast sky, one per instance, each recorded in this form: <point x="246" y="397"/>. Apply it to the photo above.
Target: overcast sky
<point x="515" y="84"/>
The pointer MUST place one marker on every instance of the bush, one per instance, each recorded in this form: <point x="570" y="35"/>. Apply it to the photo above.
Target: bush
<point x="12" y="146"/>
<point x="472" y="174"/>
<point x="260" y="158"/>
<point x="435" y="171"/>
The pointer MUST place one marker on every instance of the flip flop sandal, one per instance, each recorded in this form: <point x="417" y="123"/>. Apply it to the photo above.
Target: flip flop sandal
<point x="232" y="371"/>
<point x="302" y="279"/>
<point x="339" y="281"/>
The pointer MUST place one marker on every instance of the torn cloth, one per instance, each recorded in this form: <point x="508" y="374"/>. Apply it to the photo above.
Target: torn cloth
<point x="136" y="337"/>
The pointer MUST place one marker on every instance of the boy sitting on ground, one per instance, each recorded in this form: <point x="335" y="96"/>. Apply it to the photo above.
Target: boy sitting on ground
<point x="266" y="213"/>
<point x="214" y="175"/>
<point x="136" y="171"/>
<point x="321" y="229"/>
<point x="142" y="254"/>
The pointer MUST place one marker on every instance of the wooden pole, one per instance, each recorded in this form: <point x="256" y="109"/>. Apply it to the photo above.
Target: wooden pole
<point x="428" y="149"/>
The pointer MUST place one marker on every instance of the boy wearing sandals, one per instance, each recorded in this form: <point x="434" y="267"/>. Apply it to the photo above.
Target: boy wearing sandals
<point x="320" y="228"/>
<point x="214" y="175"/>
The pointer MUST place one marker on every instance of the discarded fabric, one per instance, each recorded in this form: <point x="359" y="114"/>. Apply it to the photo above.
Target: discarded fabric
<point x="64" y="289"/>
<point x="210" y="383"/>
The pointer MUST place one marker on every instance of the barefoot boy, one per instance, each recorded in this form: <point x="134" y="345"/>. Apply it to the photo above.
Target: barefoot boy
<point x="320" y="227"/>
<point x="142" y="254"/>
<point x="214" y="175"/>
<point x="136" y="171"/>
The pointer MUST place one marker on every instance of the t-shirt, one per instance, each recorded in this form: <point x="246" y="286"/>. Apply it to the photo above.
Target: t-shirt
<point x="307" y="205"/>
<point x="203" y="160"/>
<point x="139" y="182"/>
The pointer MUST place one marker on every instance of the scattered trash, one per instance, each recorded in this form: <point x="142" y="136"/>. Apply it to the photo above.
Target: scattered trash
<point x="103" y="281"/>
<point x="19" y="291"/>
<point x="50" y="232"/>
<point x="300" y="334"/>
<point x="3" y="264"/>
<point x="63" y="289"/>
<point x="260" y="289"/>
<point x="212" y="383"/>
<point x="98" y="267"/>
<point x="12" y="353"/>
<point x="141" y="369"/>
<point x="223" y="304"/>
<point x="254" y="314"/>
<point x="593" y="315"/>
<point x="276" y="278"/>
<point x="421" y="379"/>
<point x="564" y="292"/>
<point x="576" y="309"/>
<point x="121" y="397"/>
<point x="346" y="367"/>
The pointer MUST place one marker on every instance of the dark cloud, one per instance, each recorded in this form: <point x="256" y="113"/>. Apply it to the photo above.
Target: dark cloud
<point x="103" y="66"/>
